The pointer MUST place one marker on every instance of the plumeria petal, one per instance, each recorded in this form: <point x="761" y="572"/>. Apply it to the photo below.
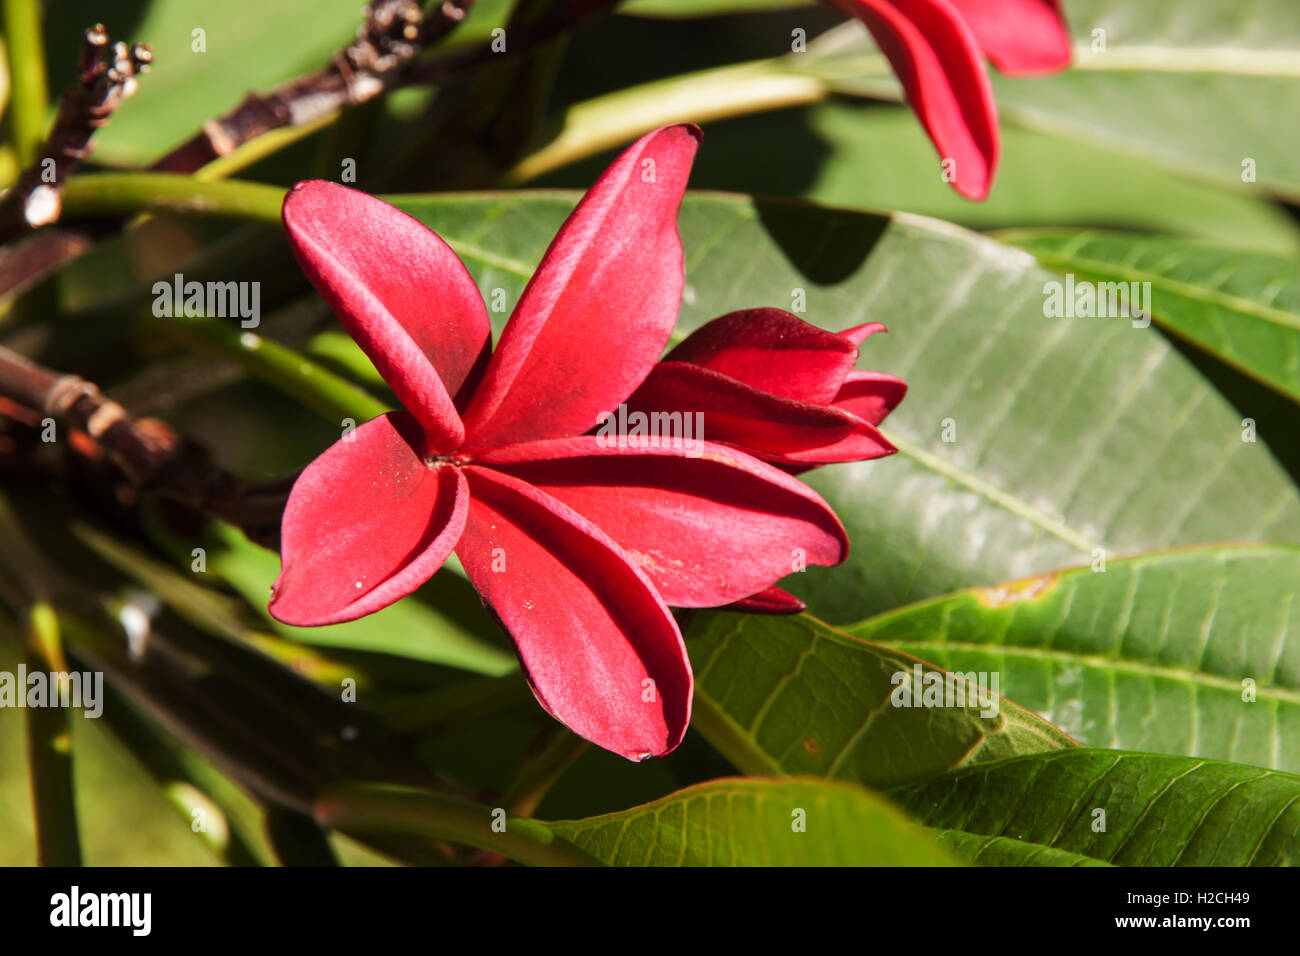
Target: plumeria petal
<point x="939" y="62"/>
<point x="1021" y="37"/>
<point x="599" y="646"/>
<point x="601" y="306"/>
<point x="761" y="423"/>
<point x="367" y="523"/>
<point x="771" y="600"/>
<point x="859" y="333"/>
<point x="706" y="523"/>
<point x="870" y="395"/>
<point x="400" y="292"/>
<point x="773" y="351"/>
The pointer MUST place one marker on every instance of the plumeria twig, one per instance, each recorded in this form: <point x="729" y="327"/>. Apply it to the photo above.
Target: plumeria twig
<point x="304" y="101"/>
<point x="147" y="451"/>
<point x="385" y="56"/>
<point x="102" y="83"/>
<point x="394" y="33"/>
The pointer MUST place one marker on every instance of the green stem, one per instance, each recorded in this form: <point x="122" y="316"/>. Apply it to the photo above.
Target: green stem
<point x="729" y="739"/>
<point x="106" y="194"/>
<point x="127" y="193"/>
<point x="49" y="750"/>
<point x="612" y="120"/>
<point x="389" y="809"/>
<point x="312" y="384"/>
<point x="259" y="148"/>
<point x="29" y="102"/>
<point x="540" y="772"/>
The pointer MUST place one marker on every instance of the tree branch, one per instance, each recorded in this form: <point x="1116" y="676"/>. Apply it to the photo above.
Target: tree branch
<point x="395" y="33"/>
<point x="147" y="451"/>
<point x="383" y="58"/>
<point x="102" y="84"/>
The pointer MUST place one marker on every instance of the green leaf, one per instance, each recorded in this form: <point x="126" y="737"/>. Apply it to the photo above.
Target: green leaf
<point x="1154" y="654"/>
<point x="391" y="809"/>
<point x="1006" y="851"/>
<point x="865" y="155"/>
<point x="1240" y="66"/>
<point x="757" y="823"/>
<point x="788" y="695"/>
<point x="874" y="156"/>
<point x="443" y="622"/>
<point x="1158" y="811"/>
<point x="1070" y="435"/>
<point x="1241" y="307"/>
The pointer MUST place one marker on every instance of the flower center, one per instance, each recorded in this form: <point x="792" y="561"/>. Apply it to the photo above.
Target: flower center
<point x="437" y="461"/>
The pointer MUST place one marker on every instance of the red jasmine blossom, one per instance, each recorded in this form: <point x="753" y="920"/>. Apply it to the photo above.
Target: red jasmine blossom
<point x="936" y="48"/>
<point x="576" y="545"/>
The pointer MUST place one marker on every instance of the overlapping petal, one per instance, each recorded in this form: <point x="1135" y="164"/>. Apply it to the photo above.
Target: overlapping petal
<point x="1020" y="37"/>
<point x="938" y="60"/>
<point x="598" y="644"/>
<point x="706" y="523"/>
<point x="772" y="600"/>
<point x="400" y="292"/>
<point x="601" y="306"/>
<point x="367" y="523"/>
<point x="763" y="424"/>
<point x="870" y="395"/>
<point x="773" y="351"/>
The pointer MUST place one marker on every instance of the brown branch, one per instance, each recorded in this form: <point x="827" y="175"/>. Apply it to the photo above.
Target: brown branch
<point x="149" y="454"/>
<point x="26" y="263"/>
<point x="395" y="33"/>
<point x="102" y="84"/>
<point x="383" y="58"/>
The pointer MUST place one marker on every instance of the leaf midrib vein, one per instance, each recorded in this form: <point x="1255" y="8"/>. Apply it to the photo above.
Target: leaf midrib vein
<point x="1016" y="506"/>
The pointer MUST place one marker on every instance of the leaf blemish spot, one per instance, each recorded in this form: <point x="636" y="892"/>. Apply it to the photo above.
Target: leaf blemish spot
<point x="1030" y="589"/>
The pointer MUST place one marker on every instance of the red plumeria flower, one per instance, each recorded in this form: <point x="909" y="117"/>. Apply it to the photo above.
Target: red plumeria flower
<point x="576" y="545"/>
<point x="781" y="389"/>
<point x="936" y="48"/>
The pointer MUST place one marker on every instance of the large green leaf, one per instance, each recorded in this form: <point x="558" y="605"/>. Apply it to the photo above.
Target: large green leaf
<point x="1154" y="654"/>
<point x="789" y="695"/>
<point x="1241" y="307"/>
<point x="1124" y="808"/>
<point x="1070" y="435"/>
<point x="1006" y="851"/>
<point x="1239" y="64"/>
<point x="758" y="823"/>
<point x="873" y="156"/>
